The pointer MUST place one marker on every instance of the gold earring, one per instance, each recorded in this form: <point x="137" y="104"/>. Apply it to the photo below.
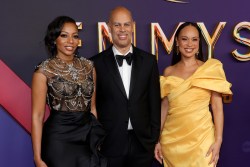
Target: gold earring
<point x="177" y="50"/>
<point x="197" y="53"/>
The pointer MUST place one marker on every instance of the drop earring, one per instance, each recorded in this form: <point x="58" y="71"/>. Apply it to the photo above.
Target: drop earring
<point x="177" y="50"/>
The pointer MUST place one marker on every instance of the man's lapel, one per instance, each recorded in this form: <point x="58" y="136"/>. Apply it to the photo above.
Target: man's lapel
<point x="136" y="64"/>
<point x="113" y="70"/>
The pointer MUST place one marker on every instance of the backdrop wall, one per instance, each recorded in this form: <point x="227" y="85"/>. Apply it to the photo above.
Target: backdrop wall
<point x="23" y="25"/>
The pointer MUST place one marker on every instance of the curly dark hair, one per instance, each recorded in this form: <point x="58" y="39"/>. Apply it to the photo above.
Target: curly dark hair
<point x="177" y="57"/>
<point x="53" y="31"/>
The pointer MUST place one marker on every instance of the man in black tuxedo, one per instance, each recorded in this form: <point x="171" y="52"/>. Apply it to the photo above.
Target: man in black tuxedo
<point x="127" y="96"/>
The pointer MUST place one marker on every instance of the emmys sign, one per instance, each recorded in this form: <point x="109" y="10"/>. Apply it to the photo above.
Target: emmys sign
<point x="158" y="35"/>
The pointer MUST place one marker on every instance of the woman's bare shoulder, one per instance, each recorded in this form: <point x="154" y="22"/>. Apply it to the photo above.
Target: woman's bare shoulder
<point x="168" y="71"/>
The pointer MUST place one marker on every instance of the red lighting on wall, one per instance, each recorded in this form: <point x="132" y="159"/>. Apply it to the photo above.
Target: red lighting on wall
<point x="15" y="97"/>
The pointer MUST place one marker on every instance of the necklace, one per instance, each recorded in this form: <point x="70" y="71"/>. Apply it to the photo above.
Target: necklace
<point x="66" y="61"/>
<point x="71" y="70"/>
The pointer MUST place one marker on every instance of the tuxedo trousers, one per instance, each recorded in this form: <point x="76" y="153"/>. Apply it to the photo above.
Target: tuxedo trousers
<point x="135" y="155"/>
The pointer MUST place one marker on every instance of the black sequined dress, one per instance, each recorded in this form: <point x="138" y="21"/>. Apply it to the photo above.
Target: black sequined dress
<point x="71" y="135"/>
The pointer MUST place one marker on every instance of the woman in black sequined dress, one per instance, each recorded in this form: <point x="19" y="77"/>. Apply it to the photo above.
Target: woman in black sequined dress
<point x="71" y="135"/>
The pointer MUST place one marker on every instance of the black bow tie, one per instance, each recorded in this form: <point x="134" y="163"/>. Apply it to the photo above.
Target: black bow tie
<point x="120" y="58"/>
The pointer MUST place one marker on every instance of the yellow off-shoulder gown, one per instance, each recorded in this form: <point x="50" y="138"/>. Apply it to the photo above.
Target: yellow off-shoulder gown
<point x="188" y="131"/>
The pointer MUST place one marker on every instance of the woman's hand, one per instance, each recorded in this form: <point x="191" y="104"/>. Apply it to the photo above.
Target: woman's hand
<point x="40" y="163"/>
<point x="158" y="153"/>
<point x="215" y="150"/>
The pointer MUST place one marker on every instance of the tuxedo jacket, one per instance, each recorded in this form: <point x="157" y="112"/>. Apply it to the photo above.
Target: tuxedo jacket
<point x="114" y="108"/>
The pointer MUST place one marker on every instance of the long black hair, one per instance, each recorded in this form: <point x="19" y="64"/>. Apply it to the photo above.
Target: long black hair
<point x="53" y="31"/>
<point x="176" y="57"/>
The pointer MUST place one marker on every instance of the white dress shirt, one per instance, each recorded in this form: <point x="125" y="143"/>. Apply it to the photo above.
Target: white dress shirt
<point x="125" y="72"/>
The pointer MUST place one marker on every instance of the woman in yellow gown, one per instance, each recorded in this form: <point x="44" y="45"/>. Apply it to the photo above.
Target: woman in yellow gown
<point x="190" y="137"/>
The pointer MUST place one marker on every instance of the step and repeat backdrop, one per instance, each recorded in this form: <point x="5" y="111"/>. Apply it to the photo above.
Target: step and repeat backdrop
<point x="225" y="27"/>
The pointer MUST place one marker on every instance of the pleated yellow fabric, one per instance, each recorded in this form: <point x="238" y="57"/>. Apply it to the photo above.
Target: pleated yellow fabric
<point x="188" y="131"/>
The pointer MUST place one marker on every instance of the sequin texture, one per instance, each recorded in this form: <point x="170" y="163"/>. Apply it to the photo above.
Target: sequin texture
<point x="70" y="86"/>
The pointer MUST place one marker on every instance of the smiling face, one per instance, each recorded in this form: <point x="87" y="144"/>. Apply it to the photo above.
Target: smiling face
<point x="121" y="28"/>
<point x="67" y="41"/>
<point x="188" y="41"/>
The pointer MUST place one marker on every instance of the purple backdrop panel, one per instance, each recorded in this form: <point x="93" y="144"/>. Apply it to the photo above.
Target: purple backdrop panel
<point x="15" y="143"/>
